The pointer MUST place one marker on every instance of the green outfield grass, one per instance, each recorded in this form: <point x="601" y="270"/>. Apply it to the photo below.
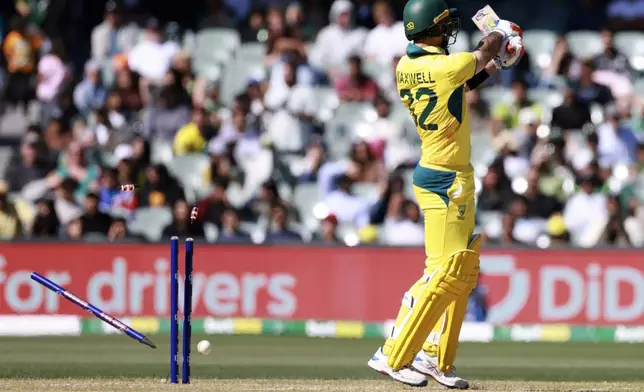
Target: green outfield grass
<point x="298" y="363"/>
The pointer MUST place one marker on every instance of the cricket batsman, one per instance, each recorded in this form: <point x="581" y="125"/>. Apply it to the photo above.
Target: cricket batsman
<point x="432" y="85"/>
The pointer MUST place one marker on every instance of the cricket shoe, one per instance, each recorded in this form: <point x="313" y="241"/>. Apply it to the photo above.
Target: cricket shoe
<point x="406" y="375"/>
<point x="427" y="365"/>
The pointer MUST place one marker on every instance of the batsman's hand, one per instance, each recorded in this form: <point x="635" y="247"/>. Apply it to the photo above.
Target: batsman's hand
<point x="507" y="28"/>
<point x="511" y="52"/>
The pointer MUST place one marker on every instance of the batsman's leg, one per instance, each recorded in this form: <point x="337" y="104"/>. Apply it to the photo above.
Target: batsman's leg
<point x="448" y="213"/>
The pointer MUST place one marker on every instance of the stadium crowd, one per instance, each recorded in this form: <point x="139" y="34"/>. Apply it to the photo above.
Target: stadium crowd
<point x="282" y="123"/>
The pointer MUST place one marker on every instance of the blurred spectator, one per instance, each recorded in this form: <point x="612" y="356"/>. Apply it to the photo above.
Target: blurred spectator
<point x="306" y="169"/>
<point x="297" y="24"/>
<point x="506" y="116"/>
<point x="10" y="225"/>
<point x="46" y="223"/>
<point x="74" y="230"/>
<point x="387" y="40"/>
<point x="151" y="58"/>
<point x="115" y="111"/>
<point x="391" y="132"/>
<point x="611" y="59"/>
<point x="328" y="231"/>
<point x="112" y="36"/>
<point x="159" y="188"/>
<point x="20" y="56"/>
<point x="579" y="222"/>
<point x="95" y="221"/>
<point x="617" y="143"/>
<point x="347" y="207"/>
<point x="540" y="205"/>
<point x="127" y="87"/>
<point x="278" y="230"/>
<point x="614" y="233"/>
<point x="587" y="90"/>
<point x="479" y="110"/>
<point x="118" y="232"/>
<point x="192" y="137"/>
<point x="518" y="226"/>
<point x="90" y="93"/>
<point x="563" y="63"/>
<point x="387" y="83"/>
<point x="268" y="198"/>
<point x="394" y="187"/>
<point x="217" y="14"/>
<point x="30" y="166"/>
<point x="108" y="190"/>
<point x="230" y="231"/>
<point x="356" y="86"/>
<point x="211" y="209"/>
<point x="51" y="75"/>
<point x="572" y="114"/>
<point x="496" y="190"/>
<point x="181" y="225"/>
<point x="526" y="135"/>
<point x="339" y="40"/>
<point x="72" y="164"/>
<point x="282" y="39"/>
<point x="67" y="209"/>
<point x="403" y="225"/>
<point x="165" y="119"/>
<point x="293" y="107"/>
<point x="365" y="166"/>
<point x="254" y="29"/>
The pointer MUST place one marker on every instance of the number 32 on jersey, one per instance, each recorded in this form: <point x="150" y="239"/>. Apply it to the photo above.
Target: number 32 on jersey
<point x="426" y="98"/>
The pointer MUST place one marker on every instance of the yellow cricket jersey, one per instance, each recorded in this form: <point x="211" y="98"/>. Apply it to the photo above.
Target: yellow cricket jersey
<point x="431" y="85"/>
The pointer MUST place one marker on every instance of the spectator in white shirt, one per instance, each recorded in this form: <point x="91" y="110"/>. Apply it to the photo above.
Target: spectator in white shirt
<point x="585" y="211"/>
<point x="403" y="225"/>
<point x="111" y="37"/>
<point x="617" y="143"/>
<point x="152" y="58"/>
<point x="339" y="40"/>
<point x="347" y="207"/>
<point x="387" y="40"/>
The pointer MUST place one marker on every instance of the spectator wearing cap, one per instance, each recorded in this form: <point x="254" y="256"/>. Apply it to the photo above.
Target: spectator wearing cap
<point x="90" y="92"/>
<point x="192" y="137"/>
<point x="112" y="37"/>
<point x="278" y="231"/>
<point x="356" y="86"/>
<point x="387" y="40"/>
<point x="10" y="225"/>
<point x="617" y="143"/>
<point x="152" y="58"/>
<point x="67" y="209"/>
<point x="403" y="224"/>
<point x="46" y="223"/>
<point x="30" y="166"/>
<point x="328" y="231"/>
<point x="506" y="115"/>
<point x="181" y="224"/>
<point x="230" y="231"/>
<point x="586" y="212"/>
<point x="94" y="221"/>
<point x="338" y="41"/>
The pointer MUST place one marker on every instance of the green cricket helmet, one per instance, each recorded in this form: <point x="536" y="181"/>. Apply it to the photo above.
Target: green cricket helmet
<point x="431" y="18"/>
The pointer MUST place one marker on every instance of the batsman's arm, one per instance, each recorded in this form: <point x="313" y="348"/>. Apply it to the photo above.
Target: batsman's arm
<point x="478" y="79"/>
<point x="487" y="49"/>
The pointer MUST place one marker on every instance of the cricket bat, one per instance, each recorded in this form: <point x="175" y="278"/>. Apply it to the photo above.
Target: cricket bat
<point x="484" y="19"/>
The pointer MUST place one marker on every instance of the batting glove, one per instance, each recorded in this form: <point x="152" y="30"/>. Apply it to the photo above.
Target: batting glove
<point x="507" y="28"/>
